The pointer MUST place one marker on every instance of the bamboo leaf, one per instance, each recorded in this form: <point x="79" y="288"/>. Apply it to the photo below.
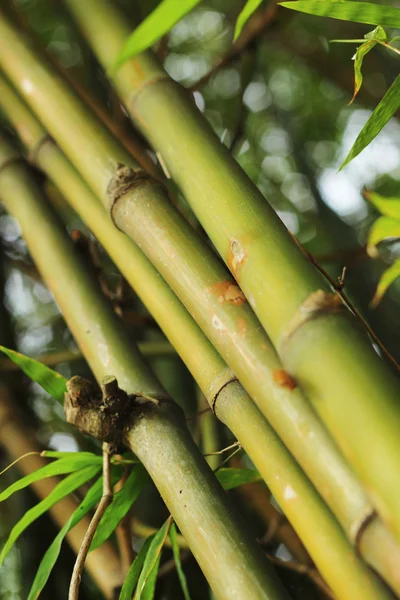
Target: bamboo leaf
<point x="357" y="12"/>
<point x="122" y="502"/>
<point x="382" y="229"/>
<point x="157" y="24"/>
<point x="152" y="557"/>
<point x="56" y="454"/>
<point x="249" y="8"/>
<point x="51" y="381"/>
<point x="358" y="60"/>
<point x="390" y="207"/>
<point x="62" y="489"/>
<point x="150" y="586"/>
<point x="388" y="277"/>
<point x="177" y="558"/>
<point x="135" y="570"/>
<point x="49" y="559"/>
<point x="381" y="115"/>
<point x="233" y="478"/>
<point x="58" y="467"/>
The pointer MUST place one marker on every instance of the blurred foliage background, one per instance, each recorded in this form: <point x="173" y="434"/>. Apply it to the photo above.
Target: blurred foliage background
<point x="281" y="106"/>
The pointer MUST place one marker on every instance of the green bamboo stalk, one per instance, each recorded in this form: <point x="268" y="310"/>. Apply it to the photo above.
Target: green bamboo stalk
<point x="270" y="456"/>
<point x="231" y="561"/>
<point x="320" y="344"/>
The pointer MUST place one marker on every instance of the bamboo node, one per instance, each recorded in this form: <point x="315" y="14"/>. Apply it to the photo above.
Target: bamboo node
<point x="124" y="180"/>
<point x="225" y="378"/>
<point x="317" y="304"/>
<point x="104" y="416"/>
<point x="358" y="528"/>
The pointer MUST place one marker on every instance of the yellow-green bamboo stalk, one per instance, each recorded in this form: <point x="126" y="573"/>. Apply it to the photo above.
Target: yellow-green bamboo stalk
<point x="231" y="561"/>
<point x="319" y="342"/>
<point x="308" y="514"/>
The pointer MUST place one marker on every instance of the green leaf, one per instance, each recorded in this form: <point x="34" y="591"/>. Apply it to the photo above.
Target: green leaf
<point x="381" y="115"/>
<point x="51" y="381"/>
<point x="377" y="34"/>
<point x="382" y="229"/>
<point x="177" y="559"/>
<point x="390" y="207"/>
<point x="358" y="12"/>
<point x="157" y="24"/>
<point x="62" y="489"/>
<point x="152" y="557"/>
<point x="49" y="559"/>
<point x="56" y="454"/>
<point x="58" y="467"/>
<point x="358" y="60"/>
<point x="388" y="277"/>
<point x="122" y="502"/>
<point x="233" y="478"/>
<point x="249" y="8"/>
<point x="135" y="570"/>
<point x="150" y="586"/>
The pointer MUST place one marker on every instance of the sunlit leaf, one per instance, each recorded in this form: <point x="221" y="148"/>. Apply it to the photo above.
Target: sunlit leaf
<point x="133" y="574"/>
<point x="121" y="503"/>
<point x="358" y="60"/>
<point x="358" y="12"/>
<point x="390" y="207"/>
<point x="51" y="381"/>
<point x="376" y="34"/>
<point x="177" y="558"/>
<point x="381" y="115"/>
<point x="62" y="489"/>
<point x="58" y="467"/>
<point x="233" y="478"/>
<point x="157" y="24"/>
<point x="249" y="8"/>
<point x="74" y="454"/>
<point x="49" y="559"/>
<point x="152" y="557"/>
<point x="388" y="277"/>
<point x="383" y="229"/>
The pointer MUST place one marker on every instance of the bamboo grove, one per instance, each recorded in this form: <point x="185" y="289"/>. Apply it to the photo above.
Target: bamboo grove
<point x="281" y="360"/>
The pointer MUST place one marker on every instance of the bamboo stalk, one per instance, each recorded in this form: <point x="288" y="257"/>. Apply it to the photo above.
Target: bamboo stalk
<point x="102" y="564"/>
<point x="319" y="342"/>
<point x="212" y="375"/>
<point x="231" y="561"/>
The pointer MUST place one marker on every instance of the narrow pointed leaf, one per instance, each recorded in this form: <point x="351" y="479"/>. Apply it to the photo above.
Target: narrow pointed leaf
<point x="120" y="505"/>
<point x="152" y="557"/>
<point x="388" y="277"/>
<point x="157" y="24"/>
<point x="383" y="229"/>
<point x="58" y="467"/>
<point x="358" y="60"/>
<point x="56" y="454"/>
<point x="177" y="558"/>
<point x="358" y="12"/>
<point x="233" y="478"/>
<point x="49" y="559"/>
<point x="381" y="115"/>
<point x="150" y="586"/>
<point x="51" y="381"/>
<point x="249" y="8"/>
<point x="135" y="570"/>
<point x="62" y="489"/>
<point x="390" y="207"/>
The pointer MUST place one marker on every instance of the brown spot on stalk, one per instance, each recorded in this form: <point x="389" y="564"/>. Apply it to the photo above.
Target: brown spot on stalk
<point x="241" y="325"/>
<point x="283" y="379"/>
<point x="236" y="256"/>
<point x="226" y="291"/>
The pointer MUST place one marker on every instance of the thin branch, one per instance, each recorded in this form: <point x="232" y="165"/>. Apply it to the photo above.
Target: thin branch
<point x="257" y="24"/>
<point x="235" y="445"/>
<point x="228" y="458"/>
<point x="338" y="287"/>
<point x="105" y="501"/>
<point x="123" y="533"/>
<point x="302" y="569"/>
